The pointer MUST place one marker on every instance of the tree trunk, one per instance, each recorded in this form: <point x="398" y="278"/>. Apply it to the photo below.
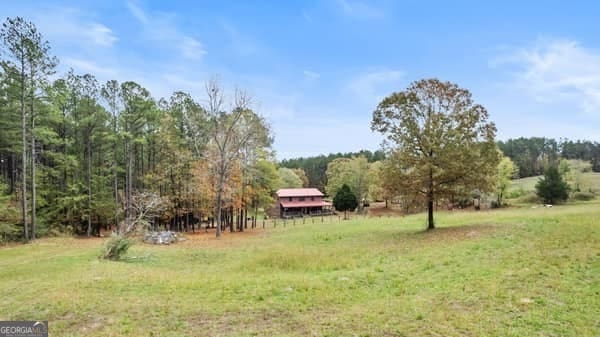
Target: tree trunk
<point x="128" y="185"/>
<point x="115" y="176"/>
<point x="116" y="190"/>
<point x="13" y="173"/>
<point x="24" y="155"/>
<point x="219" y="201"/>
<point x="89" y="185"/>
<point x="430" y="224"/>
<point x="255" y="214"/>
<point x="231" y="219"/>
<point x="33" y="183"/>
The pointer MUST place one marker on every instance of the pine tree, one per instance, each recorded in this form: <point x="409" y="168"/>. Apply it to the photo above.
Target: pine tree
<point x="552" y="188"/>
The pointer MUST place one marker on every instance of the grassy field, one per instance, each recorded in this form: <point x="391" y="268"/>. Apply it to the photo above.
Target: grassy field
<point x="510" y="272"/>
<point x="588" y="180"/>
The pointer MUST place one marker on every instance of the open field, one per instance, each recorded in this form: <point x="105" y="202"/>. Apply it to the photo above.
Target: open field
<point x="510" y="272"/>
<point x="588" y="180"/>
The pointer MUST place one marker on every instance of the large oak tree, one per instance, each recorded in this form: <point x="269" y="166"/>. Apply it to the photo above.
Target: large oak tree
<point x="440" y="140"/>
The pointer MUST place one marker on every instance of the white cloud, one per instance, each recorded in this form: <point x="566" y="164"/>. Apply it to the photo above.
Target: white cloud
<point x="89" y="66"/>
<point x="161" y="27"/>
<point x="311" y="75"/>
<point x="557" y="71"/>
<point x="372" y="86"/>
<point x="359" y="10"/>
<point x="70" y="25"/>
<point x="137" y="12"/>
<point x="101" y="35"/>
<point x="191" y="48"/>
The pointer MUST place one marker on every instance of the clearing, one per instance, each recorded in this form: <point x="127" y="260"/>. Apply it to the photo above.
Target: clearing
<point x="510" y="272"/>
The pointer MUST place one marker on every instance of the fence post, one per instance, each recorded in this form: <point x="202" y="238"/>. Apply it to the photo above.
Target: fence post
<point x="263" y="223"/>
<point x="274" y="223"/>
<point x="303" y="221"/>
<point x="294" y="221"/>
<point x="284" y="222"/>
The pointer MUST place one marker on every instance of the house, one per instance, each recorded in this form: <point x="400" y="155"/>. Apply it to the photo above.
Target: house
<point x="301" y="201"/>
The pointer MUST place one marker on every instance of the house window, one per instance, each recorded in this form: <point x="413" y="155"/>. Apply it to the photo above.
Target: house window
<point x="312" y="198"/>
<point x="301" y="199"/>
<point x="290" y="198"/>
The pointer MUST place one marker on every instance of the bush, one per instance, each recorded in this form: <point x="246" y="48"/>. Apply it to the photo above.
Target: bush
<point x="116" y="247"/>
<point x="9" y="232"/>
<point x="583" y="196"/>
<point x="512" y="194"/>
<point x="529" y="198"/>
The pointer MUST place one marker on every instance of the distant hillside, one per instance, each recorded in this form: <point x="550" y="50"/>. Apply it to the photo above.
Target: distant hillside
<point x="316" y="167"/>
<point x="590" y="180"/>
<point x="533" y="155"/>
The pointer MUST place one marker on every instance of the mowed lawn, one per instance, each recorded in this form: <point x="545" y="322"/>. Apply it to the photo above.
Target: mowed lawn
<point x="513" y="272"/>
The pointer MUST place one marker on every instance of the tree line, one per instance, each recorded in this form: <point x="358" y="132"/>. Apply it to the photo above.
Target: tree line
<point x="315" y="168"/>
<point x="533" y="155"/>
<point x="77" y="154"/>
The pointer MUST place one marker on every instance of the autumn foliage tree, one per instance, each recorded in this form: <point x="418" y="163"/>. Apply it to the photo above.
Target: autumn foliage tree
<point x="440" y="140"/>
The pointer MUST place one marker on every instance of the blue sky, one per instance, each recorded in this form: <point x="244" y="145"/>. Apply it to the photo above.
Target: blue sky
<point x="317" y="69"/>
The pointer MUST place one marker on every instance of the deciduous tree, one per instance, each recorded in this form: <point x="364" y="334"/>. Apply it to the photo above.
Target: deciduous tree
<point x="440" y="138"/>
<point x="353" y="172"/>
<point x="505" y="172"/>
<point x="288" y="178"/>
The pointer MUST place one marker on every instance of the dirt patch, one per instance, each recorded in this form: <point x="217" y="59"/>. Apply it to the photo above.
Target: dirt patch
<point x="311" y="323"/>
<point x="379" y="210"/>
<point x="88" y="325"/>
<point x="227" y="239"/>
<point x="198" y="239"/>
<point x="265" y="323"/>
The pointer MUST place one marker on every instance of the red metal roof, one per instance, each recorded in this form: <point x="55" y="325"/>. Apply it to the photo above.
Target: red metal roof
<point x="294" y="204"/>
<point x="299" y="192"/>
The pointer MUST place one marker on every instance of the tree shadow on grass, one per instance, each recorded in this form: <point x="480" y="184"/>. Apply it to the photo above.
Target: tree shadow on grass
<point x="446" y="234"/>
<point x="456" y="232"/>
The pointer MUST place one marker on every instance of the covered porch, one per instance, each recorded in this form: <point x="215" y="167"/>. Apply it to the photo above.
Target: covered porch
<point x="289" y="209"/>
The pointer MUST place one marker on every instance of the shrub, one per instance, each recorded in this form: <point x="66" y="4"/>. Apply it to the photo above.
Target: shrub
<point x="116" y="247"/>
<point x="583" y="196"/>
<point x="9" y="232"/>
<point x="512" y="194"/>
<point x="529" y="198"/>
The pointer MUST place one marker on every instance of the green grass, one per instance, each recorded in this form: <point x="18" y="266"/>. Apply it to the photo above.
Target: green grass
<point x="510" y="272"/>
<point x="525" y="184"/>
<point x="589" y="180"/>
